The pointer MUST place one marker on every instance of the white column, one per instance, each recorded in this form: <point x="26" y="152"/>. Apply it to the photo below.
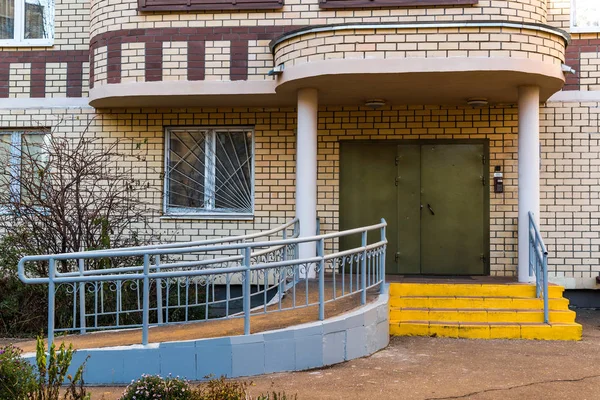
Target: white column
<point x="306" y="170"/>
<point x="529" y="170"/>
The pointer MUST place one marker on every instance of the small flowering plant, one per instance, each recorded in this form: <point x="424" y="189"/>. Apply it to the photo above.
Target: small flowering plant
<point x="17" y="378"/>
<point x="152" y="387"/>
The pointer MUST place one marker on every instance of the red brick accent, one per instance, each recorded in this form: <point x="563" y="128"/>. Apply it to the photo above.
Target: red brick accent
<point x="38" y="79"/>
<point x="573" y="59"/>
<point x="239" y="60"/>
<point x="4" y="79"/>
<point x="92" y="63"/>
<point x="196" y="61"/>
<point x="154" y="61"/>
<point x="113" y="62"/>
<point x="74" y="79"/>
<point x="38" y="60"/>
<point x="196" y="37"/>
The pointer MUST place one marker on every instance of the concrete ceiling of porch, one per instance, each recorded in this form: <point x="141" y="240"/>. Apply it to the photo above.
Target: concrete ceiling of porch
<point x="423" y="88"/>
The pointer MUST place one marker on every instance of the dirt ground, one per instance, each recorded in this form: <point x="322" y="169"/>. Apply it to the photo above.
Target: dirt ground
<point x="438" y="368"/>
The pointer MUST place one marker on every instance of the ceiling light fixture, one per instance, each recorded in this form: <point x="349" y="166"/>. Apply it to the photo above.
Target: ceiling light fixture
<point x="375" y="103"/>
<point x="477" y="102"/>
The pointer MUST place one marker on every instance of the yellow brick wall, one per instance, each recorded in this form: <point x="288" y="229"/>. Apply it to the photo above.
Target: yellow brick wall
<point x="106" y="16"/>
<point x="133" y="62"/>
<point x="275" y="156"/>
<point x="559" y="14"/>
<point x="175" y="61"/>
<point x="570" y="176"/>
<point x="421" y="43"/>
<point x="20" y="80"/>
<point x="570" y="189"/>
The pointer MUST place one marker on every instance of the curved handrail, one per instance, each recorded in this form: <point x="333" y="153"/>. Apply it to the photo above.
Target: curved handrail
<point x="206" y="242"/>
<point x="273" y="265"/>
<point x="183" y="247"/>
<point x="137" y="252"/>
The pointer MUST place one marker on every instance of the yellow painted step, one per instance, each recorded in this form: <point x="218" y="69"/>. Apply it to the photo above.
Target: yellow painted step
<point x="475" y="330"/>
<point x="479" y="315"/>
<point x="478" y="302"/>
<point x="478" y="290"/>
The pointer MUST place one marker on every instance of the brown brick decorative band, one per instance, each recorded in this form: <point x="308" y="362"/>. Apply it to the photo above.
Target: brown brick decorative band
<point x="573" y="60"/>
<point x="196" y="61"/>
<point x="38" y="60"/>
<point x="153" y="39"/>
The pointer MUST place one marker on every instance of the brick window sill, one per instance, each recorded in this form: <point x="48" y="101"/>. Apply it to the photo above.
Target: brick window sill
<point x="219" y="217"/>
<point x="27" y="43"/>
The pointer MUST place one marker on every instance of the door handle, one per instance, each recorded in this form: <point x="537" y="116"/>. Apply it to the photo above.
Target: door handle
<point x="430" y="209"/>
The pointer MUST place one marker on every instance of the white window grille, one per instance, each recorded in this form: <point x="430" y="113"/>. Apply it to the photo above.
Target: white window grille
<point x="12" y="146"/>
<point x="209" y="172"/>
<point x="585" y="16"/>
<point x="26" y="22"/>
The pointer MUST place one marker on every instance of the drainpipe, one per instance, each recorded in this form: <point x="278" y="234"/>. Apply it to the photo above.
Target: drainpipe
<point x="529" y="171"/>
<point x="306" y="171"/>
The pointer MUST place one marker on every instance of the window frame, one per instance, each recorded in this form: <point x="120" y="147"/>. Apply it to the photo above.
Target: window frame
<point x="213" y="5"/>
<point x="14" y="161"/>
<point x="349" y="4"/>
<point x="19" y="27"/>
<point x="203" y="213"/>
<point x="585" y="29"/>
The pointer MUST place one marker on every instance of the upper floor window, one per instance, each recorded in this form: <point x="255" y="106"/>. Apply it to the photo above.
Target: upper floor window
<point x="26" y="22"/>
<point x="392" y="3"/>
<point x="217" y="5"/>
<point x="22" y="157"/>
<point x="209" y="172"/>
<point x="585" y="16"/>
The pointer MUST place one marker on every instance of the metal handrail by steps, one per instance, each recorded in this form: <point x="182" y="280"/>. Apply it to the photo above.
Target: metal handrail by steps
<point x="538" y="264"/>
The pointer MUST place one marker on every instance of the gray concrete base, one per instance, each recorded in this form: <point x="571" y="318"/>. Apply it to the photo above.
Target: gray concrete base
<point x="356" y="334"/>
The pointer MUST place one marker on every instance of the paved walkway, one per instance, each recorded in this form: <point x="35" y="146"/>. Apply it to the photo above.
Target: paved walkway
<point x="438" y="368"/>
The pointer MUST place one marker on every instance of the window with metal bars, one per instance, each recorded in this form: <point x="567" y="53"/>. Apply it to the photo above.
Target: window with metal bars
<point x="209" y="171"/>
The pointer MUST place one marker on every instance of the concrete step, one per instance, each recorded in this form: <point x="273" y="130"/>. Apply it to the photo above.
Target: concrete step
<point x="478" y="302"/>
<point x="480" y="330"/>
<point x="490" y="315"/>
<point x="471" y="290"/>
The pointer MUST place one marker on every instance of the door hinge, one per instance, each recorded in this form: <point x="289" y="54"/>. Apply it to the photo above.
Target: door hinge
<point x="396" y="257"/>
<point x="483" y="180"/>
<point x="483" y="259"/>
<point x="397" y="160"/>
<point x="483" y="159"/>
<point x="396" y="181"/>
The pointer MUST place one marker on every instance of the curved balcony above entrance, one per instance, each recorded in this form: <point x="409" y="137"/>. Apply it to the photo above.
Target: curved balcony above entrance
<point x="420" y="63"/>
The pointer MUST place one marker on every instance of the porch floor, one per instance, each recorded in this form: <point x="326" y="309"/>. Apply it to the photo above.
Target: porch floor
<point x="454" y="279"/>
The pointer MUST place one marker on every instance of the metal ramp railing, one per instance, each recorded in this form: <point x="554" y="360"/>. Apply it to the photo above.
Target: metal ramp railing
<point x="140" y="287"/>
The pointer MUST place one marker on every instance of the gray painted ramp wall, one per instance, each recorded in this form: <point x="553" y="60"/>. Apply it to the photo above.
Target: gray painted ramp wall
<point x="356" y="334"/>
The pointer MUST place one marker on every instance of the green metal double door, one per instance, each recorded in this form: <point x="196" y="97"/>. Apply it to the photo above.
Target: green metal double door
<point x="434" y="196"/>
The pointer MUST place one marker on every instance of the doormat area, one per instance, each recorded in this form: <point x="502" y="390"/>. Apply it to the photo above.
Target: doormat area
<point x="426" y="278"/>
<point x="453" y="277"/>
